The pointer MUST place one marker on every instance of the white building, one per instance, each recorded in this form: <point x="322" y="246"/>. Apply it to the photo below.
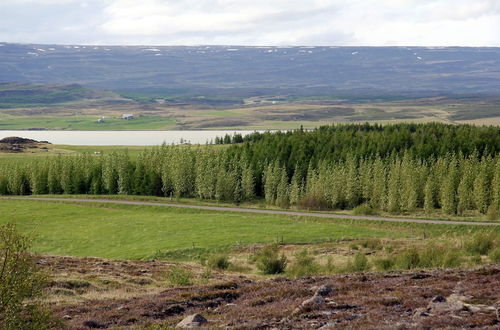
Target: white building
<point x="127" y="116"/>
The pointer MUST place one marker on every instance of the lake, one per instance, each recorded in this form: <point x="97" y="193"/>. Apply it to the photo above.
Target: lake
<point x="122" y="138"/>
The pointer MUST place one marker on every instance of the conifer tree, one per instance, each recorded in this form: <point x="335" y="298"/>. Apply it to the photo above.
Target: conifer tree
<point x="449" y="189"/>
<point x="465" y="186"/>
<point x="247" y="183"/>
<point x="295" y="187"/>
<point x="282" y="189"/>
<point x="379" y="191"/>
<point x="352" y="189"/>
<point x="430" y="193"/>
<point x="393" y="189"/>
<point x="481" y="187"/>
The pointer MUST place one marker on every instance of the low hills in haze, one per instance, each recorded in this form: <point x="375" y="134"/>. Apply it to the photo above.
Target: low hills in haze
<point x="222" y="87"/>
<point x="249" y="71"/>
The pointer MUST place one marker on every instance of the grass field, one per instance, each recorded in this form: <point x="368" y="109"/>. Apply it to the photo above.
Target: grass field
<point x="262" y="114"/>
<point x="138" y="232"/>
<point x="84" y="123"/>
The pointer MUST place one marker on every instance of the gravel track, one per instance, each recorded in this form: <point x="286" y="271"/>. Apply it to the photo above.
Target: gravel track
<point x="246" y="210"/>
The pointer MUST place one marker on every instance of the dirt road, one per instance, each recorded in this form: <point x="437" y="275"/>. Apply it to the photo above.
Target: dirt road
<point x="246" y="210"/>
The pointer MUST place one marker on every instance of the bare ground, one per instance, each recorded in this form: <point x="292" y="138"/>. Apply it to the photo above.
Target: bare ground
<point x="450" y="298"/>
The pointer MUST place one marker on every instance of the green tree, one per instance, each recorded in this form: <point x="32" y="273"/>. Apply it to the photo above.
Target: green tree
<point x="21" y="284"/>
<point x="449" y="188"/>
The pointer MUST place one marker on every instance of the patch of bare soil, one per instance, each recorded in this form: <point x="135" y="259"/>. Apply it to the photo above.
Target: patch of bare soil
<point x="451" y="298"/>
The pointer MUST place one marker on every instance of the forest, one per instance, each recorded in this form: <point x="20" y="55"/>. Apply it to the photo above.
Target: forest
<point x="394" y="168"/>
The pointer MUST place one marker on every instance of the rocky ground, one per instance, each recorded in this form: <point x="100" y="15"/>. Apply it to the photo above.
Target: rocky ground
<point x="133" y="294"/>
<point x="18" y="144"/>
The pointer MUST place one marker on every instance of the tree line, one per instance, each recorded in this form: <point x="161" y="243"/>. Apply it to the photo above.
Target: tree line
<point x="400" y="182"/>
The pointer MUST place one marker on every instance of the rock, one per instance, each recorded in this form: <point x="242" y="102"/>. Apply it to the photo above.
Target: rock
<point x="192" y="321"/>
<point x="310" y="304"/>
<point x="438" y="299"/>
<point x="66" y="317"/>
<point x="421" y="312"/>
<point x="94" y="324"/>
<point x="324" y="290"/>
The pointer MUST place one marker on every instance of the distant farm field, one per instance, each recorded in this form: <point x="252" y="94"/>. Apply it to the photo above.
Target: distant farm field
<point x="138" y="232"/>
<point x="85" y="123"/>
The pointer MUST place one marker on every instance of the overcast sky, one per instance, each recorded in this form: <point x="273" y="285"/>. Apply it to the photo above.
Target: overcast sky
<point x="252" y="22"/>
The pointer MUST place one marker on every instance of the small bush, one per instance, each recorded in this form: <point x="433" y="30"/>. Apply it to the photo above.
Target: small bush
<point x="481" y="243"/>
<point x="269" y="261"/>
<point x="353" y="246"/>
<point x="374" y="244"/>
<point x="408" y="259"/>
<point x="475" y="260"/>
<point x="492" y="213"/>
<point x="220" y="262"/>
<point x="330" y="266"/>
<point x="384" y="263"/>
<point x="21" y="284"/>
<point x="304" y="264"/>
<point x="358" y="264"/>
<point x="364" y="209"/>
<point x="495" y="255"/>
<point x="310" y="202"/>
<point x="177" y="275"/>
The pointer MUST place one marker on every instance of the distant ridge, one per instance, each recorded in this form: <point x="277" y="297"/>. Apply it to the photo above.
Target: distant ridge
<point x="251" y="71"/>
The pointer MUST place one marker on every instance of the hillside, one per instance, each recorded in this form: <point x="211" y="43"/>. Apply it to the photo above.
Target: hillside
<point x="231" y="71"/>
<point x="14" y="95"/>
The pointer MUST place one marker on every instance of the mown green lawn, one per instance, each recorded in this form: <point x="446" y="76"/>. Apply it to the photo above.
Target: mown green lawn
<point x="134" y="232"/>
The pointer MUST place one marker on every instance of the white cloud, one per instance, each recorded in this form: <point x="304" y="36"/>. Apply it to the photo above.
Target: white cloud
<point x="258" y="22"/>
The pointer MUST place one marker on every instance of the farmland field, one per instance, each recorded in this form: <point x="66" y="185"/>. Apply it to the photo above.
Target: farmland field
<point x="138" y="232"/>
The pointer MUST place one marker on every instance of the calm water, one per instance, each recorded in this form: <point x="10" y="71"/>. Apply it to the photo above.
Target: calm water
<point x="117" y="138"/>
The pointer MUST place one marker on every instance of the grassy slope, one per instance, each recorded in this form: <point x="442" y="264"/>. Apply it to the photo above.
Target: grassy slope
<point x="124" y="231"/>
<point x="85" y="123"/>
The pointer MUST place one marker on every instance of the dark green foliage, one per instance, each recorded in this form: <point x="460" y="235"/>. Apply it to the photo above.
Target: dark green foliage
<point x="269" y="261"/>
<point x="21" y="284"/>
<point x="364" y="209"/>
<point x="395" y="168"/>
<point x="481" y="242"/>
<point x="304" y="264"/>
<point x="358" y="264"/>
<point x="408" y="259"/>
<point x="220" y="262"/>
<point x="384" y="263"/>
<point x="178" y="275"/>
<point x="495" y="255"/>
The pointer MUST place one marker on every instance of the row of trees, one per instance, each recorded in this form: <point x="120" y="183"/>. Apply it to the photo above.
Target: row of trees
<point x="454" y="183"/>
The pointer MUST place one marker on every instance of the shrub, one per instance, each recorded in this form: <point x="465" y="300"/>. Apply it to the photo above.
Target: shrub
<point x="364" y="209"/>
<point x="384" y="263"/>
<point x="358" y="264"/>
<point x="304" y="264"/>
<point x="492" y="213"/>
<point x="481" y="243"/>
<point x="220" y="262"/>
<point x="177" y="275"/>
<point x="495" y="255"/>
<point x="353" y="246"/>
<point x="408" y="259"/>
<point x="476" y="260"/>
<point x="431" y="256"/>
<point x="21" y="284"/>
<point x="451" y="259"/>
<point x="310" y="202"/>
<point x="374" y="244"/>
<point x="269" y="261"/>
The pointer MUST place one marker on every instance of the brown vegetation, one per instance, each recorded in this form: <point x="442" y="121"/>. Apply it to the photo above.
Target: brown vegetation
<point x="438" y="298"/>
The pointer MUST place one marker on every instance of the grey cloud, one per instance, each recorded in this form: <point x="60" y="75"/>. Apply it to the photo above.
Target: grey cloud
<point x="326" y="22"/>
